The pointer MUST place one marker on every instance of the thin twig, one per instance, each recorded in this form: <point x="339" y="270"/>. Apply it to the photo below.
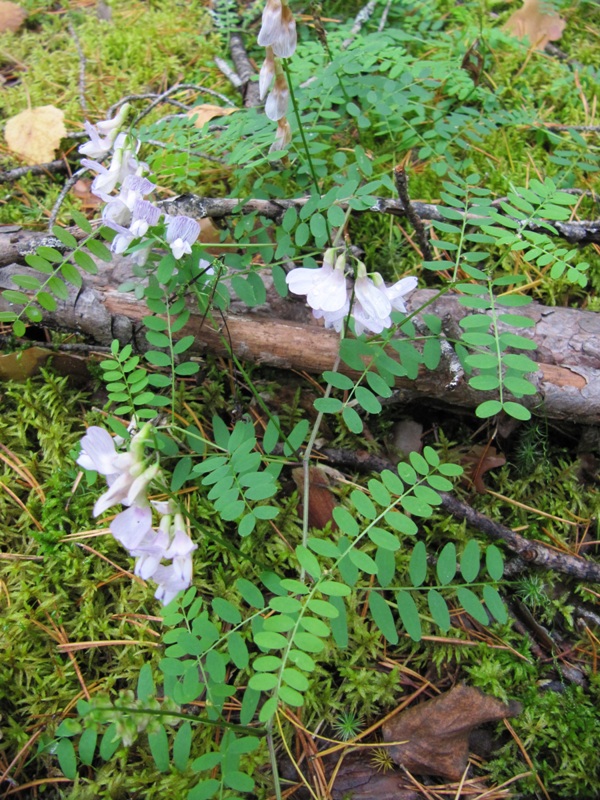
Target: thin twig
<point x="532" y="552"/>
<point x="182" y="87"/>
<point x="82" y="63"/>
<point x="187" y="151"/>
<point x="63" y="193"/>
<point x="401" y="181"/>
<point x="585" y="232"/>
<point x="384" y="16"/>
<point x="35" y="169"/>
<point x="229" y="72"/>
<point x="363" y="16"/>
<point x="585" y="128"/>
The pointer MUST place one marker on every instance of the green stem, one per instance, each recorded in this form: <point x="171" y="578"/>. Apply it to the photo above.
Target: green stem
<point x="306" y="464"/>
<point x="273" y="760"/>
<point x="311" y="166"/>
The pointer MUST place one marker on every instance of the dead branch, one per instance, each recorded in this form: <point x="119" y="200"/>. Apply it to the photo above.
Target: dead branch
<point x="531" y="552"/>
<point x="283" y="333"/>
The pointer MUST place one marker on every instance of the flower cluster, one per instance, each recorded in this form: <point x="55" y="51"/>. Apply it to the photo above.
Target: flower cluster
<point x="127" y="212"/>
<point x="128" y="476"/>
<point x="327" y="293"/>
<point x="278" y="35"/>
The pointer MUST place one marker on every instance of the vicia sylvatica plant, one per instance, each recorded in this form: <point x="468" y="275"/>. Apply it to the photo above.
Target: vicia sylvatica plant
<point x="261" y="642"/>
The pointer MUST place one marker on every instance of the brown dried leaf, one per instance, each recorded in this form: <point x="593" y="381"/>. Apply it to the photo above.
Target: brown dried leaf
<point x="437" y="732"/>
<point x="81" y="189"/>
<point x="206" y="111"/>
<point x="36" y="133"/>
<point x="321" y="500"/>
<point x="11" y="17"/>
<point x="531" y="22"/>
<point x="478" y="461"/>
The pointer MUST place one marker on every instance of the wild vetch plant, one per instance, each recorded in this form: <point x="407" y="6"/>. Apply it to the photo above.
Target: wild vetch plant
<point x="261" y="644"/>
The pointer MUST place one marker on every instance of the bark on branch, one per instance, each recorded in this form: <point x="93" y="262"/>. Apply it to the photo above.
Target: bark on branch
<point x="14" y="245"/>
<point x="282" y="333"/>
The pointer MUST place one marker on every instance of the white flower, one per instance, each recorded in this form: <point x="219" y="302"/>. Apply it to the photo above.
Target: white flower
<point x="123" y="163"/>
<point x="110" y="127"/>
<point x="397" y="291"/>
<point x="267" y="73"/>
<point x="131" y="526"/>
<point x="182" y="232"/>
<point x="278" y="99"/>
<point x="371" y="295"/>
<point x="278" y="29"/>
<point x="325" y="288"/>
<point x="103" y="134"/>
<point x="374" y="301"/>
<point x="98" y="451"/>
<point x="149" y="553"/>
<point x="333" y="319"/>
<point x="283" y="136"/>
<point x="173" y="579"/>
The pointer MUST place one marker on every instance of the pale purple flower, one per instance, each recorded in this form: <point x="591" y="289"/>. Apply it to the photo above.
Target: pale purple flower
<point x="173" y="579"/>
<point x="103" y="134"/>
<point x="131" y="526"/>
<point x="283" y="136"/>
<point x="267" y="74"/>
<point x="150" y="552"/>
<point x="98" y="451"/>
<point x="278" y="29"/>
<point x="278" y="99"/>
<point x="119" y="209"/>
<point x="325" y="288"/>
<point x="124" y="163"/>
<point x="182" y="232"/>
<point x="397" y="291"/>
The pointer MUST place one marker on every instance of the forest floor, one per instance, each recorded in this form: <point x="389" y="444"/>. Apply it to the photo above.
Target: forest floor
<point x="77" y="624"/>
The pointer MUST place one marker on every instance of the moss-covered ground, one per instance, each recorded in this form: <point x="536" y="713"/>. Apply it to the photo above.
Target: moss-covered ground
<point x="63" y="578"/>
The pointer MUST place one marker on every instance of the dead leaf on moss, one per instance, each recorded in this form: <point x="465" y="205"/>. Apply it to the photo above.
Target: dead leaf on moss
<point x="436" y="733"/>
<point x="81" y="189"/>
<point x="478" y="461"/>
<point x="11" y="17"/>
<point x="36" y="133"/>
<point x="321" y="500"/>
<point x="205" y="112"/>
<point x="531" y="22"/>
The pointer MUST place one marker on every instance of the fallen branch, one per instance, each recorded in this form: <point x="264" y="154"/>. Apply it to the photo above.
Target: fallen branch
<point x="283" y="333"/>
<point x="531" y="552"/>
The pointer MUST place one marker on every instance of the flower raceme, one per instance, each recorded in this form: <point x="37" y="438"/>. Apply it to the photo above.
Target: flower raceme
<point x="327" y="294"/>
<point x="128" y="476"/>
<point x="129" y="213"/>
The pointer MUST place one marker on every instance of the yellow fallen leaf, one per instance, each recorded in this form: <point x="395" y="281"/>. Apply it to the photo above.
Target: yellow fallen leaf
<point x="35" y="133"/>
<point x="530" y="21"/>
<point x="11" y="17"/>
<point x="206" y="112"/>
